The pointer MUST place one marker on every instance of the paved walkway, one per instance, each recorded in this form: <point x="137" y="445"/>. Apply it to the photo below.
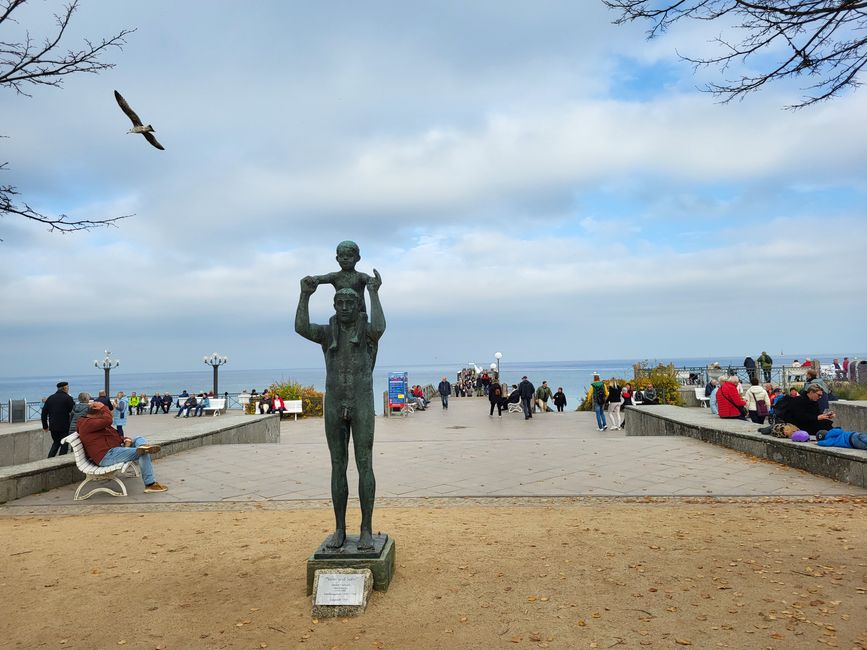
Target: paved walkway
<point x="463" y="452"/>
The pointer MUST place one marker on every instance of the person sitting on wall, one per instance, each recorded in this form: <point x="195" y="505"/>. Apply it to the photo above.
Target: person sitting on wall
<point x="805" y="413"/>
<point x="729" y="402"/>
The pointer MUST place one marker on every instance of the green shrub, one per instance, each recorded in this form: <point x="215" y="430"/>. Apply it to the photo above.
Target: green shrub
<point x="848" y="390"/>
<point x="311" y="399"/>
<point x="664" y="380"/>
<point x="587" y="403"/>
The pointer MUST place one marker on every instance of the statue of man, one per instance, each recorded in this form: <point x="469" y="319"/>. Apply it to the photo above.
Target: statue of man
<point x="349" y="343"/>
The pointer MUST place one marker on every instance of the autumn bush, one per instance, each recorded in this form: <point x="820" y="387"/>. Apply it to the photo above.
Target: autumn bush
<point x="311" y="399"/>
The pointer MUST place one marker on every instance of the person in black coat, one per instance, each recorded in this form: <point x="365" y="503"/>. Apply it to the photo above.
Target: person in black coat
<point x="55" y="418"/>
<point x="750" y="365"/>
<point x="560" y="399"/>
<point x="526" y="390"/>
<point x="495" y="395"/>
<point x="444" y="389"/>
<point x="804" y="411"/>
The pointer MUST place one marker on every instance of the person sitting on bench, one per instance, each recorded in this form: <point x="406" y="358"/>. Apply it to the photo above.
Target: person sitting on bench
<point x="188" y="404"/>
<point x="104" y="445"/>
<point x="648" y="395"/>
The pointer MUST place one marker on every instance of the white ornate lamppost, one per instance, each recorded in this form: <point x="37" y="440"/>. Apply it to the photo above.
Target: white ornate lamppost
<point x="215" y="361"/>
<point x="107" y="364"/>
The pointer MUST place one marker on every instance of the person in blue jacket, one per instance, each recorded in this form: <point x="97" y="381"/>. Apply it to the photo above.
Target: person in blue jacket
<point x="836" y="437"/>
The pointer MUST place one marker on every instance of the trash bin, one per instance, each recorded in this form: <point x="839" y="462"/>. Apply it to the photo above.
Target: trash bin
<point x="17" y="410"/>
<point x="858" y="371"/>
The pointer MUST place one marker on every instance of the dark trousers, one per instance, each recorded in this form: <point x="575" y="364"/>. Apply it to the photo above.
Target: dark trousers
<point x="527" y="406"/>
<point x="767" y="373"/>
<point x="756" y="418"/>
<point x="499" y="404"/>
<point x="560" y="408"/>
<point x="56" y="447"/>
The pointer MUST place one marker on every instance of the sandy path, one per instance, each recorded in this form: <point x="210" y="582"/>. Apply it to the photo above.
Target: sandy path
<point x="594" y="575"/>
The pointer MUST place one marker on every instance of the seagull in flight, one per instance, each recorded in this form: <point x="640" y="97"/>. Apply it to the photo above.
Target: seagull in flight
<point x="146" y="131"/>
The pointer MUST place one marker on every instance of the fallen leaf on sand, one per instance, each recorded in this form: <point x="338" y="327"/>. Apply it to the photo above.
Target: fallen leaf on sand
<point x="683" y="642"/>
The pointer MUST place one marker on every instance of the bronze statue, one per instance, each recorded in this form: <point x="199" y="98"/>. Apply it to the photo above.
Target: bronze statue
<point x="349" y="343"/>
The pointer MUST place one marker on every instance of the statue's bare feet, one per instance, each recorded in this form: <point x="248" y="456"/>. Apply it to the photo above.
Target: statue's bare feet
<point x="365" y="541"/>
<point x="337" y="539"/>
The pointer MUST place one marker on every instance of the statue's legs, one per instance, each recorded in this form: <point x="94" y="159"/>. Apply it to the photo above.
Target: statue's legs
<point x="337" y="435"/>
<point x="362" y="440"/>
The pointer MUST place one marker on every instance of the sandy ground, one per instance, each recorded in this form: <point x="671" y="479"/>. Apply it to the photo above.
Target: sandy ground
<point x="591" y="574"/>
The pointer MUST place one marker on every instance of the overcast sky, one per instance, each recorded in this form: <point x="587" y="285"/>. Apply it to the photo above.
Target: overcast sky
<point x="527" y="177"/>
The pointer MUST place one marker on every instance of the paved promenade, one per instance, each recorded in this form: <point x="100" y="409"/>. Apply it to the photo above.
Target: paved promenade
<point x="462" y="452"/>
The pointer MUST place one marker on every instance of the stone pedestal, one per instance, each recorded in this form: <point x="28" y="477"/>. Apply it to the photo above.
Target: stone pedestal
<point x="380" y="560"/>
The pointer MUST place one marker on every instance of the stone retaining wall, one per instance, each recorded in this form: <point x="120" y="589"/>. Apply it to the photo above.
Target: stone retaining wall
<point x="23" y="445"/>
<point x="846" y="465"/>
<point x="20" y="480"/>
<point x="851" y="416"/>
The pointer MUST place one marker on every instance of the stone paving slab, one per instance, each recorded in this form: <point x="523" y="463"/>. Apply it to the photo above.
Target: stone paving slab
<point x="462" y="452"/>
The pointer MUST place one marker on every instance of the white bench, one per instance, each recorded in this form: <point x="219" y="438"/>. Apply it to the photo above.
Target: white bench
<point x="217" y="405"/>
<point x="699" y="395"/>
<point x="293" y="406"/>
<point x="94" y="472"/>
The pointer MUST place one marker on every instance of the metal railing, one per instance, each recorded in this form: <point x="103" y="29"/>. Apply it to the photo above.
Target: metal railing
<point x="4" y="412"/>
<point x="782" y="376"/>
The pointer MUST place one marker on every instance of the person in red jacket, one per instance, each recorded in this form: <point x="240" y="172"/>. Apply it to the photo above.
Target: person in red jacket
<point x="105" y="446"/>
<point x="729" y="402"/>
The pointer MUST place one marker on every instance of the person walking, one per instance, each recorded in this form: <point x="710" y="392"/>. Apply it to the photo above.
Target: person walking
<point x="121" y="409"/>
<point x="495" y="395"/>
<point x="55" y="418"/>
<point x="560" y="399"/>
<point x="526" y="391"/>
<point x="626" y="396"/>
<point x="444" y="389"/>
<point x="614" y="403"/>
<point x="543" y="394"/>
<point x="598" y="395"/>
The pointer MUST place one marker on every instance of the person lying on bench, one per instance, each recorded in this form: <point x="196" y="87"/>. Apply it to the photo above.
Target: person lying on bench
<point x="104" y="446"/>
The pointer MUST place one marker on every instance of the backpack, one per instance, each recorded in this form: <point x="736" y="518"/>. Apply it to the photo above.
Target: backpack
<point x="761" y="407"/>
<point x="599" y="394"/>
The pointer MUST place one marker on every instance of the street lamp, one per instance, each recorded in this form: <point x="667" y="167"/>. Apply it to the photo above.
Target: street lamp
<point x="107" y="364"/>
<point x="498" y="356"/>
<point x="215" y="361"/>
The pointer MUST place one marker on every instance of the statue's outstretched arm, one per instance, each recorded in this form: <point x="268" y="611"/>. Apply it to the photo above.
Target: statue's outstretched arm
<point x="302" y="314"/>
<point x="377" y="318"/>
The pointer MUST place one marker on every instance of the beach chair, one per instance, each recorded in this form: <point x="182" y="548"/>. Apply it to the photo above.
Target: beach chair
<point x="94" y="472"/>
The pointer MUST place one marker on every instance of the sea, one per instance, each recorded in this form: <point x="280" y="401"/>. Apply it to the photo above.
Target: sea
<point x="573" y="376"/>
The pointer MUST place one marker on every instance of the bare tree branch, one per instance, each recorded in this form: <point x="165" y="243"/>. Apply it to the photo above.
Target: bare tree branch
<point x="23" y="63"/>
<point x="824" y="40"/>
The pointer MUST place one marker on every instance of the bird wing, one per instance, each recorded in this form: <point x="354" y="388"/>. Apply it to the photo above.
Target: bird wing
<point x="126" y="109"/>
<point x="150" y="138"/>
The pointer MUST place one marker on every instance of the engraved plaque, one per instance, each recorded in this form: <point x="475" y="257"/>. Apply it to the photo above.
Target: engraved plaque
<point x="340" y="589"/>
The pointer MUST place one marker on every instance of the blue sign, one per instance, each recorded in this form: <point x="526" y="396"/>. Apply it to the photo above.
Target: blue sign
<point x="398" y="387"/>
